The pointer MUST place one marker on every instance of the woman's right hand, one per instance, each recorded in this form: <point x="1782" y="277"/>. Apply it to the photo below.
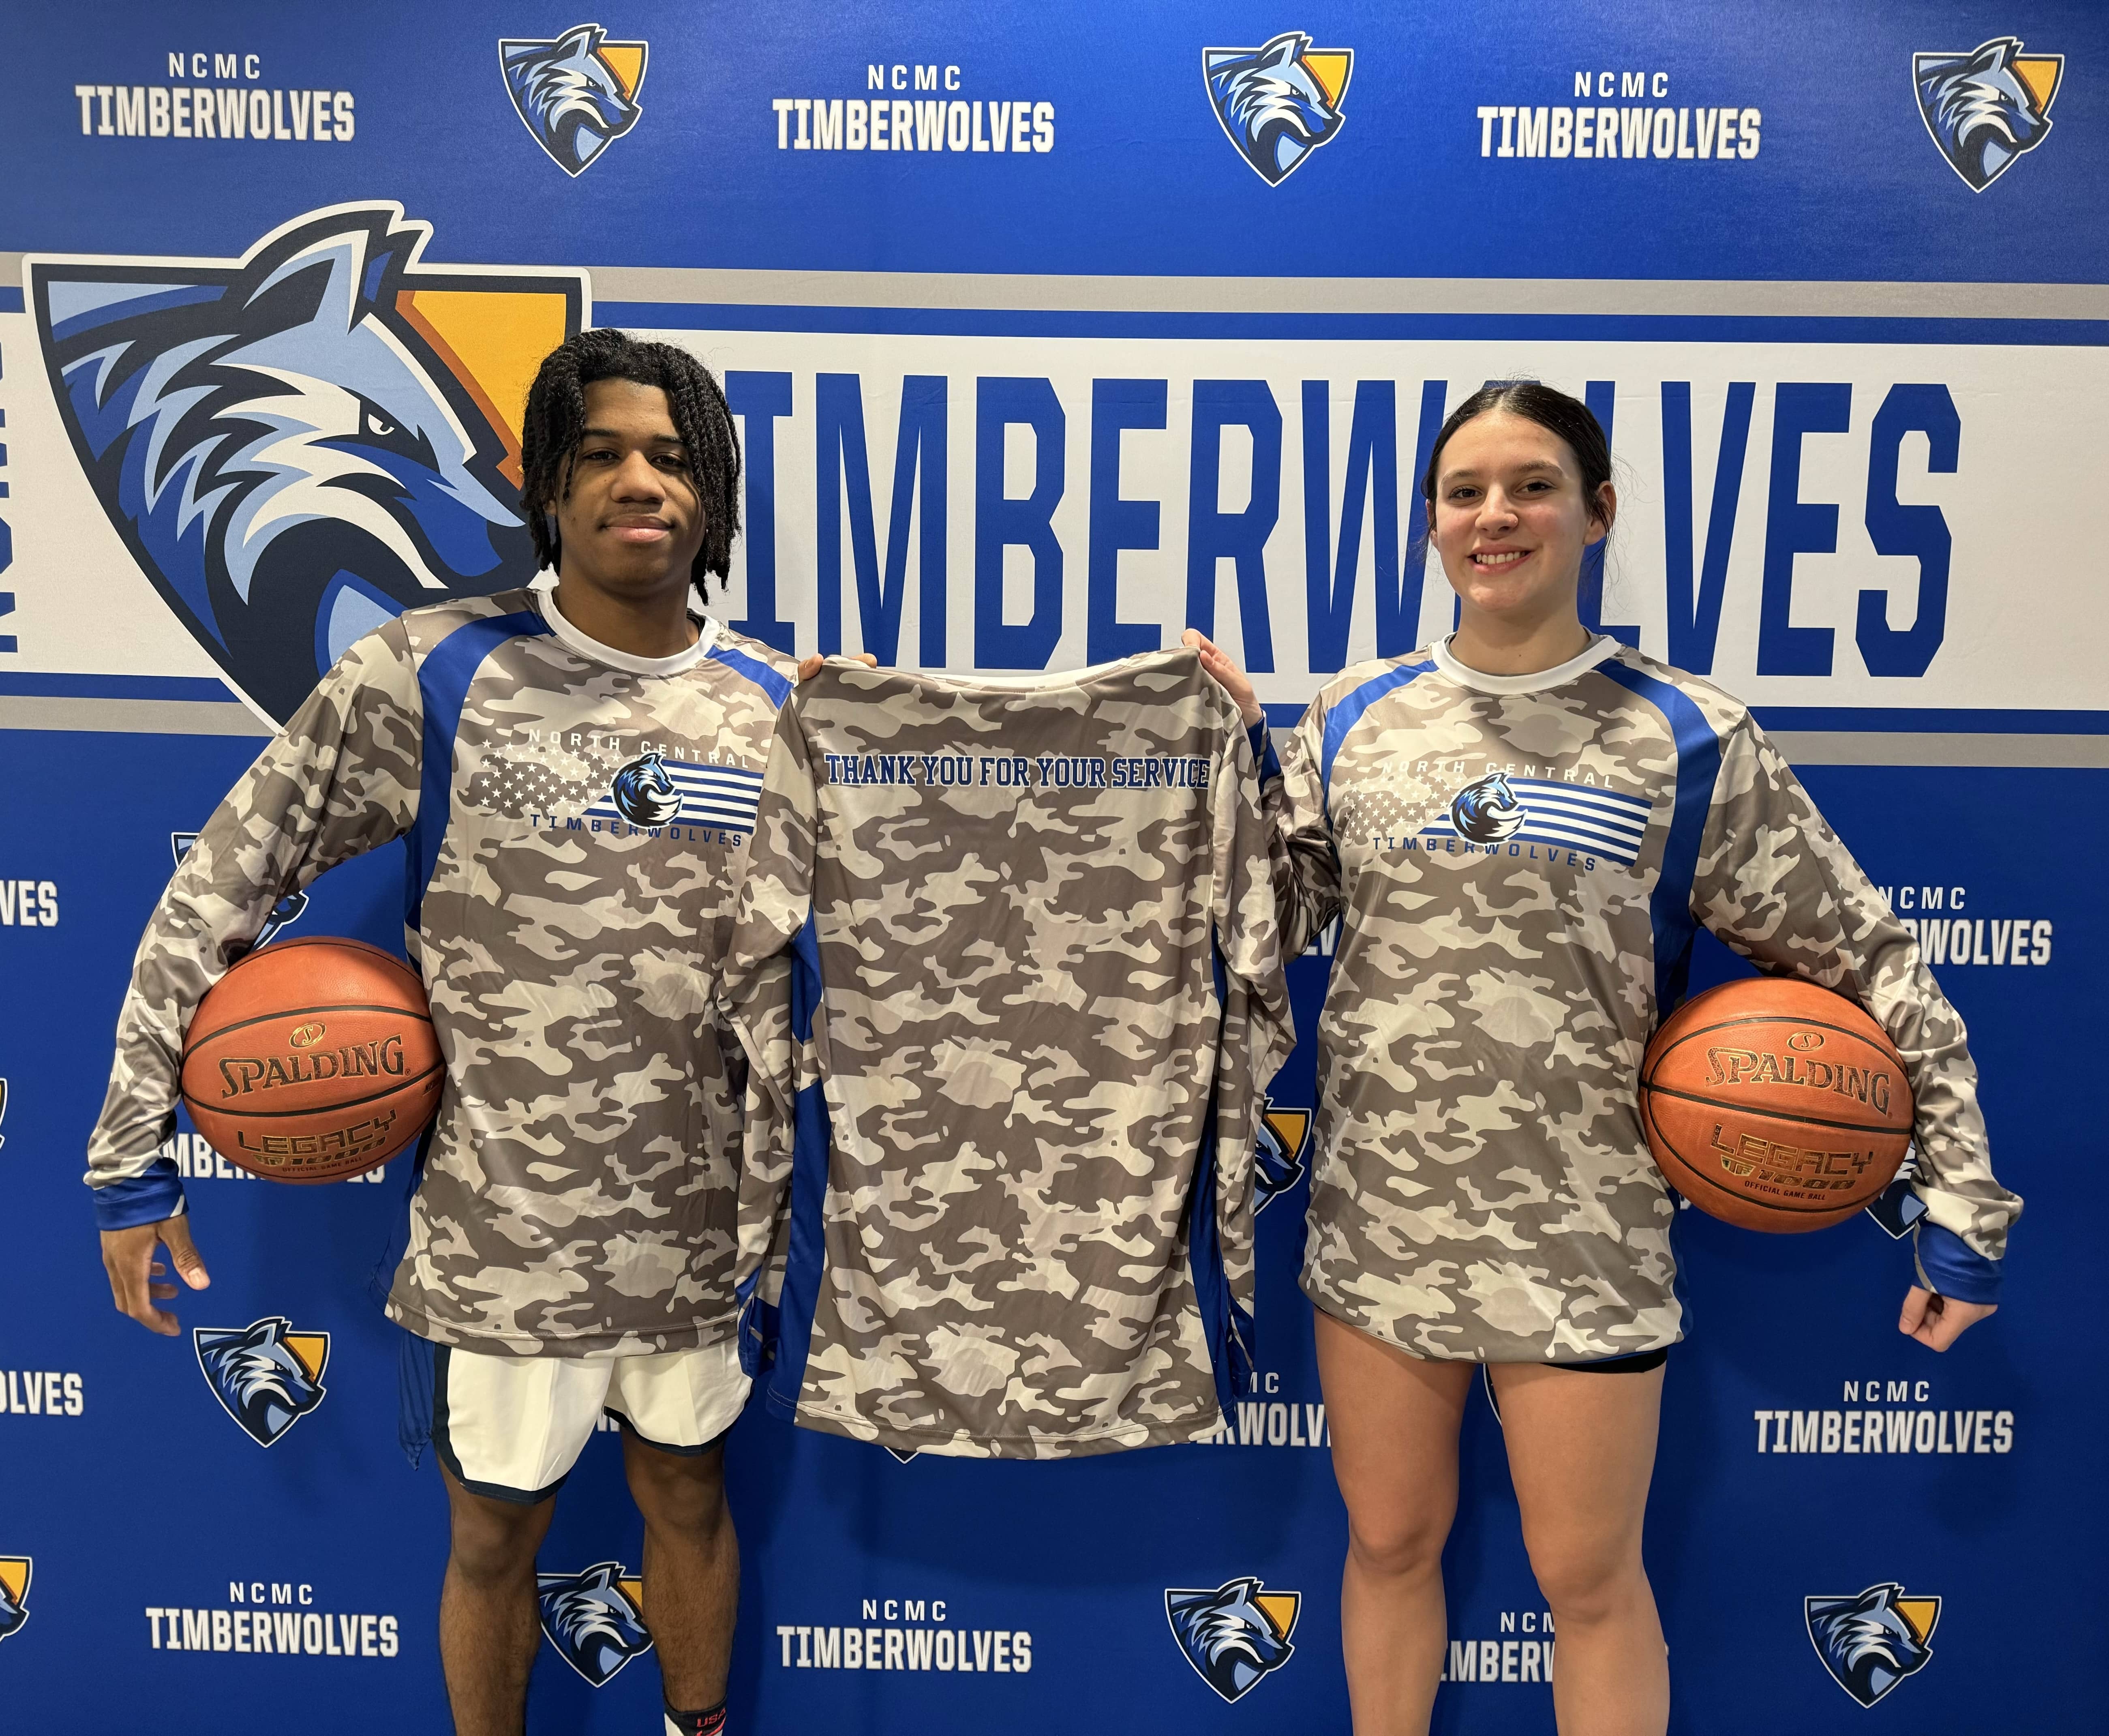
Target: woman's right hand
<point x="1231" y="678"/>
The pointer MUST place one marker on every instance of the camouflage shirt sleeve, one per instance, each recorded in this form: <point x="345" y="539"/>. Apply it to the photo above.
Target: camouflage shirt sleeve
<point x="756" y="1000"/>
<point x="1774" y="882"/>
<point x="341" y="778"/>
<point x="1257" y="1030"/>
<point x="1301" y="859"/>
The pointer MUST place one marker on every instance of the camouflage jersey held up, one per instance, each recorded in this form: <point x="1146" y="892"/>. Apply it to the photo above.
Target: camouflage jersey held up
<point x="1520" y="865"/>
<point x="1006" y="961"/>
<point x="575" y="823"/>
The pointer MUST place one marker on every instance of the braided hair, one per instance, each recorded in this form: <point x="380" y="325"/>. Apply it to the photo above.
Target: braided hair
<point x="556" y="422"/>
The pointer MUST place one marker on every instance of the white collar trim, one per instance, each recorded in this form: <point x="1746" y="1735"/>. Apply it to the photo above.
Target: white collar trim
<point x="1599" y="650"/>
<point x="681" y="661"/>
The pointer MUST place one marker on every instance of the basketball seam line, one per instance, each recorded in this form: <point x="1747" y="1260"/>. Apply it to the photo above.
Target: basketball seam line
<point x="1813" y="1121"/>
<point x="323" y="1108"/>
<point x="331" y="1006"/>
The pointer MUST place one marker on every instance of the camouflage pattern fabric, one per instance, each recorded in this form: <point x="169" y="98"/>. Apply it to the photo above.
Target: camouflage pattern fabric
<point x="1006" y="962"/>
<point x="1518" y="865"/>
<point x="572" y="869"/>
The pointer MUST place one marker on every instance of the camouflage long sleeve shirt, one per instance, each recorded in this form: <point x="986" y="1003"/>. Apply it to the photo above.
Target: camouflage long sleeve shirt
<point x="1520" y="865"/>
<point x="576" y="820"/>
<point x="1006" y="961"/>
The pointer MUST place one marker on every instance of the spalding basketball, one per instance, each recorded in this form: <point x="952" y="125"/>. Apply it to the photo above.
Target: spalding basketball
<point x="1775" y="1105"/>
<point x="313" y="1059"/>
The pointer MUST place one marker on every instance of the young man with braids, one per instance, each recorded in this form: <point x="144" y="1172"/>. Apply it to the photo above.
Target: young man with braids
<point x="574" y="772"/>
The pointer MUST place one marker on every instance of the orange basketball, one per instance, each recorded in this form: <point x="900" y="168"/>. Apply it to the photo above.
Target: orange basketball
<point x="1775" y="1105"/>
<point x="313" y="1059"/>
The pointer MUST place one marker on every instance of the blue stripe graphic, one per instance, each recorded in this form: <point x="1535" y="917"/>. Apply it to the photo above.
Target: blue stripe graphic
<point x="1698" y="768"/>
<point x="1348" y="713"/>
<point x="1227" y="1327"/>
<point x="755" y="670"/>
<point x="443" y="679"/>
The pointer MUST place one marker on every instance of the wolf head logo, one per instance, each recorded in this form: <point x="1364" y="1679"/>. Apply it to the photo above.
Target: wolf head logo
<point x="1279" y="103"/>
<point x="576" y="93"/>
<point x="300" y="444"/>
<point x="594" y="1619"/>
<point x="1235" y="1635"/>
<point x="1871" y="1642"/>
<point x="1984" y="109"/>
<point x="13" y="1594"/>
<point x="644" y="792"/>
<point x="1487" y="811"/>
<point x="285" y="911"/>
<point x="1278" y="1154"/>
<point x="266" y="1376"/>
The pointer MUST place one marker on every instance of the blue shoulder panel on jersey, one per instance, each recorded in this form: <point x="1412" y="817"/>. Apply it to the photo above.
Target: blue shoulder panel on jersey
<point x="778" y="688"/>
<point x="443" y="683"/>
<point x="811" y="1148"/>
<point x="1698" y="768"/>
<point x="156" y="1193"/>
<point x="1348" y="713"/>
<point x="1951" y="1267"/>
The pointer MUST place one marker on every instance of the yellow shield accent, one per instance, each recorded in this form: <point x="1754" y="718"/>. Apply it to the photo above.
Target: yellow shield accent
<point x="2043" y="73"/>
<point x="313" y="1350"/>
<point x="1330" y="67"/>
<point x="1280" y="1607"/>
<point x="15" y="1575"/>
<point x="1292" y="1127"/>
<point x="1921" y="1613"/>
<point x="632" y="1587"/>
<point x="493" y="341"/>
<point x="626" y="62"/>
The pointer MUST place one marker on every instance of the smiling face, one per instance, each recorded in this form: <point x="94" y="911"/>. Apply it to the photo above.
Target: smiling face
<point x="630" y="522"/>
<point x="1510" y="519"/>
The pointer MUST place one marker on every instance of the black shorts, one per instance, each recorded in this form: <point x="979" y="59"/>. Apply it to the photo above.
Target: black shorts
<point x="1640" y="1364"/>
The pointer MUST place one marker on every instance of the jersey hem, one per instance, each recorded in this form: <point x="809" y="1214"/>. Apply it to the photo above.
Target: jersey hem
<point x="955" y="1444"/>
<point x="1339" y="1311"/>
<point x="595" y="1344"/>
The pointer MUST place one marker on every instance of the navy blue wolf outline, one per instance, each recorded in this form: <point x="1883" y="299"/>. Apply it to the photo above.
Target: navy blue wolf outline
<point x="1276" y="1168"/>
<point x="1978" y="110"/>
<point x="1270" y="104"/>
<point x="1864" y="1641"/>
<point x="567" y="97"/>
<point x="288" y="458"/>
<point x="1487" y="811"/>
<point x="259" y="1381"/>
<point x="645" y="792"/>
<point x="12" y="1614"/>
<point x="591" y="1620"/>
<point x="1228" y="1639"/>
<point x="284" y="913"/>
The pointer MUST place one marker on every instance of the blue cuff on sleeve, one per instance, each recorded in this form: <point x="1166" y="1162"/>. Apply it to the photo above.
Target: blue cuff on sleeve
<point x="1954" y="1268"/>
<point x="1263" y="754"/>
<point x="156" y="1193"/>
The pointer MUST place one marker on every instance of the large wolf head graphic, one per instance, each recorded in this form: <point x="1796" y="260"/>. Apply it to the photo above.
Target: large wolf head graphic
<point x="1487" y="811"/>
<point x="593" y="1619"/>
<point x="291" y="445"/>
<point x="1871" y="1642"/>
<point x="1278" y="1154"/>
<point x="644" y="792"/>
<point x="261" y="1380"/>
<point x="1985" y="108"/>
<point x="576" y="93"/>
<point x="1278" y="103"/>
<point x="1231" y="1635"/>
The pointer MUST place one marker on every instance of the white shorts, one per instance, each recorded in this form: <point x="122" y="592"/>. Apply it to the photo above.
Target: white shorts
<point x="513" y="1426"/>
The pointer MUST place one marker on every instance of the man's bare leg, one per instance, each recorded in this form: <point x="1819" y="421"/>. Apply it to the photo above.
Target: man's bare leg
<point x="490" y="1626"/>
<point x="691" y="1568"/>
